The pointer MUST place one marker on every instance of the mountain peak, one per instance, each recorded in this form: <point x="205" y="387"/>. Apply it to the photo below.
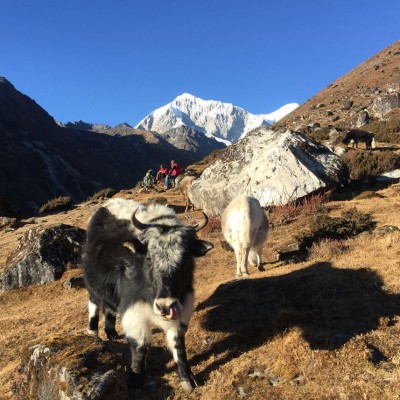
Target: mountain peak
<point x="186" y="96"/>
<point x="223" y="121"/>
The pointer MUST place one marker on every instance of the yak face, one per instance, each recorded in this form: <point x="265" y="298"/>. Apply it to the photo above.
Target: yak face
<point x="171" y="248"/>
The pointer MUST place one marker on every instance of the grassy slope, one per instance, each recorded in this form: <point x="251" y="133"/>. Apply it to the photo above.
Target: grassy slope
<point x="326" y="328"/>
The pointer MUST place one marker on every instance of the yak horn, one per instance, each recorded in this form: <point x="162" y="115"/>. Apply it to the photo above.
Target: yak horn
<point x="136" y="223"/>
<point x="201" y="224"/>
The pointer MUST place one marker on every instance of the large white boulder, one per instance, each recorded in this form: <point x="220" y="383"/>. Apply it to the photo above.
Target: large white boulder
<point x="275" y="167"/>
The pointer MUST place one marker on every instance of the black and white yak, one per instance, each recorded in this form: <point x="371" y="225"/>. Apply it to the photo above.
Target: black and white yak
<point x="356" y="136"/>
<point x="138" y="262"/>
<point x="245" y="227"/>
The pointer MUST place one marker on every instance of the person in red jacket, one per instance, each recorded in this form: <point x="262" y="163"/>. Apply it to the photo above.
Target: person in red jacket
<point x="162" y="174"/>
<point x="174" y="172"/>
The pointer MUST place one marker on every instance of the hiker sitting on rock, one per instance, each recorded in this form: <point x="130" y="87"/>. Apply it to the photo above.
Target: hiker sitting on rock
<point x="148" y="180"/>
<point x="162" y="174"/>
<point x="174" y="172"/>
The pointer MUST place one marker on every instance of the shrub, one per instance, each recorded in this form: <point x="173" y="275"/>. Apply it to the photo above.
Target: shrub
<point x="323" y="227"/>
<point x="107" y="193"/>
<point x="320" y="134"/>
<point x="326" y="249"/>
<point x="213" y="225"/>
<point x="363" y="164"/>
<point x="61" y="203"/>
<point x="312" y="204"/>
<point x="315" y="203"/>
<point x="386" y="131"/>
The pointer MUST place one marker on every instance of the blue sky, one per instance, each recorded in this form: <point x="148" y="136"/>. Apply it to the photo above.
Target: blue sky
<point x="116" y="61"/>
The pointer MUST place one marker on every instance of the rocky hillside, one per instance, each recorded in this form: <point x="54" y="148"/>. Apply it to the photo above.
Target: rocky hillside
<point x="366" y="96"/>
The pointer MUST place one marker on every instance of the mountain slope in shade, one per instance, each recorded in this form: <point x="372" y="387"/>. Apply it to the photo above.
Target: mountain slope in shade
<point x="213" y="118"/>
<point x="193" y="143"/>
<point x="40" y="160"/>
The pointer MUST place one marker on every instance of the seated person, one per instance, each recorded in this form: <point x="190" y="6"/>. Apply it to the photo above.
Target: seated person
<point x="148" y="180"/>
<point x="174" y="172"/>
<point x="162" y="174"/>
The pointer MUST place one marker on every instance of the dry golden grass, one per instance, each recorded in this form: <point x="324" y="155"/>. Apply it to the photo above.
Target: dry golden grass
<point x="325" y="328"/>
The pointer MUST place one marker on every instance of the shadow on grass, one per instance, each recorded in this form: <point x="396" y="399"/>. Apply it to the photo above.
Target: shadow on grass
<point x="356" y="187"/>
<point x="329" y="305"/>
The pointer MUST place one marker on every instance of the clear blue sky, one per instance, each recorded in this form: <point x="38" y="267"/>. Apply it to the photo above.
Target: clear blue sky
<point x="116" y="61"/>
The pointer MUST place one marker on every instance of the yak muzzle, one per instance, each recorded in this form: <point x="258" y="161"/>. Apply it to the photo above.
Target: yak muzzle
<point x="168" y="308"/>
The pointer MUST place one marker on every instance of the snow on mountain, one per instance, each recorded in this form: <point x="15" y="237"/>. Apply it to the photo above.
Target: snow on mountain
<point x="280" y="113"/>
<point x="223" y="121"/>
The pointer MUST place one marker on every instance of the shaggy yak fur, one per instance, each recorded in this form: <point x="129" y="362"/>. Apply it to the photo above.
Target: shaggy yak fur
<point x="245" y="227"/>
<point x="356" y="136"/>
<point x="138" y="262"/>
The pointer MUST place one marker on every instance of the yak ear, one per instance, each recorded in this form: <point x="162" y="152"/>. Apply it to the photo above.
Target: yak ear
<point x="135" y="246"/>
<point x="199" y="247"/>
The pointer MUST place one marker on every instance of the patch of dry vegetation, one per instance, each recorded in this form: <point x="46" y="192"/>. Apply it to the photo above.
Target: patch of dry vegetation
<point x="324" y="328"/>
<point x="364" y="164"/>
<point x="61" y="203"/>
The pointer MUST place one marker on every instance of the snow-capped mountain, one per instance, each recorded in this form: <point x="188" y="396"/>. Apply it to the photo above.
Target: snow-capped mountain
<point x="223" y="121"/>
<point x="279" y="113"/>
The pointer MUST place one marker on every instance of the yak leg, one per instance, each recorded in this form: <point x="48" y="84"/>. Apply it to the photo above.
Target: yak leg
<point x="238" y="257"/>
<point x="138" y="334"/>
<point x="255" y="256"/>
<point x="241" y="253"/>
<point x="137" y="373"/>
<point x="93" y="324"/>
<point x="109" y="324"/>
<point x="176" y="344"/>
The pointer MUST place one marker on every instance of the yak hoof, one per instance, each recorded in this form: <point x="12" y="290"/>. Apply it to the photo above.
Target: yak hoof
<point x="260" y="267"/>
<point x="187" y="386"/>
<point x="112" y="334"/>
<point x="92" y="332"/>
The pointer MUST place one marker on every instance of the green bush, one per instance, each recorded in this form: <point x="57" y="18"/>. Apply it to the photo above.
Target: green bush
<point x="107" y="193"/>
<point x="61" y="203"/>
<point x="323" y="227"/>
<point x="363" y="164"/>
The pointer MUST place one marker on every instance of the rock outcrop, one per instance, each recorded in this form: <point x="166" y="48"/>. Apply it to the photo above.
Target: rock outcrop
<point x="275" y="167"/>
<point x="76" y="367"/>
<point x="42" y="256"/>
